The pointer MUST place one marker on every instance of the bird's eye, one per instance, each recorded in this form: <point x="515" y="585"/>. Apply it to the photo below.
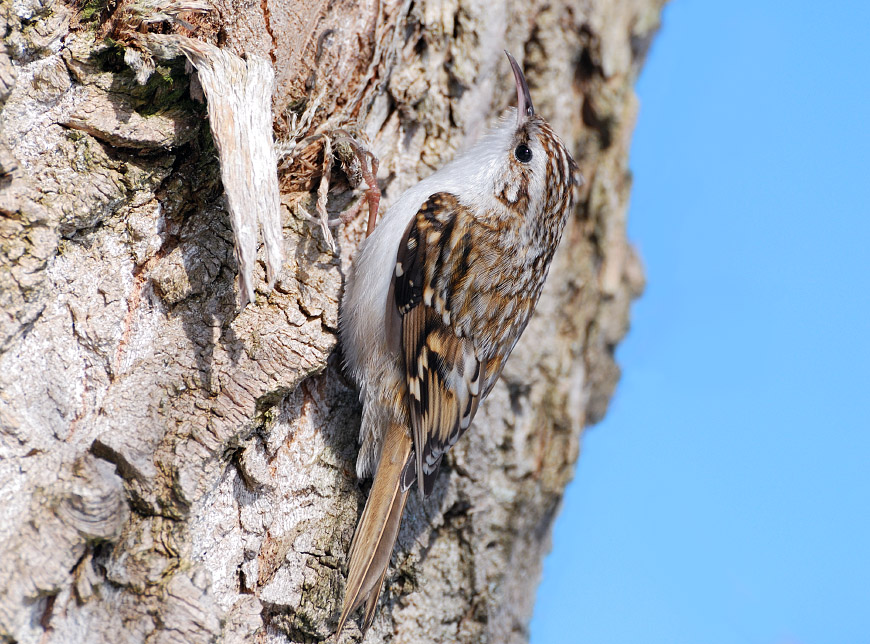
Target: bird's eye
<point x="523" y="153"/>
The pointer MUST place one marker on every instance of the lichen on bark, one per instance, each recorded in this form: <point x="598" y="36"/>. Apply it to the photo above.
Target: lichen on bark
<point x="176" y="469"/>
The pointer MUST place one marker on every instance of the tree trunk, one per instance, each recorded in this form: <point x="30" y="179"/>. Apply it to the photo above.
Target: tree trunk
<point x="176" y="468"/>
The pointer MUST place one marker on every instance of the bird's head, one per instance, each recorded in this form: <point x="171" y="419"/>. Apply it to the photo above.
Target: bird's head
<point x="535" y="174"/>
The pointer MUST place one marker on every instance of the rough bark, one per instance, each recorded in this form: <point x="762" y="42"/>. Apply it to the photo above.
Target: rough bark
<point x="176" y="469"/>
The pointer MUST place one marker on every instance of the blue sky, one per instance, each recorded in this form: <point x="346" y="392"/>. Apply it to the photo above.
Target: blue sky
<point x="726" y="496"/>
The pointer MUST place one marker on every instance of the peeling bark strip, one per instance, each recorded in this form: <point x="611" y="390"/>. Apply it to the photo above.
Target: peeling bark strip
<point x="239" y="97"/>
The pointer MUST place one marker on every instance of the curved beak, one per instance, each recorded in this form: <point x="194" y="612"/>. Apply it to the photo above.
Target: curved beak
<point x="525" y="109"/>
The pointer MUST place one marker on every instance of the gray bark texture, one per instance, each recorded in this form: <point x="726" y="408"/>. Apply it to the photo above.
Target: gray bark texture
<point x="175" y="468"/>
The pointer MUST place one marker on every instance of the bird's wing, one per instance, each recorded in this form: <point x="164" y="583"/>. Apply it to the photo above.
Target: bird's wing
<point x="442" y="369"/>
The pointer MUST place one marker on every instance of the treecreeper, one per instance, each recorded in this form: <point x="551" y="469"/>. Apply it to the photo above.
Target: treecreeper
<point x="434" y="303"/>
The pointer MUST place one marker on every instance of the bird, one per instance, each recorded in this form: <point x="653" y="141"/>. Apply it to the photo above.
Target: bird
<point x="434" y="302"/>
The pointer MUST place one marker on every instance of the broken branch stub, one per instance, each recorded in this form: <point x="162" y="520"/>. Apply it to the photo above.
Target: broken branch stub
<point x="239" y="96"/>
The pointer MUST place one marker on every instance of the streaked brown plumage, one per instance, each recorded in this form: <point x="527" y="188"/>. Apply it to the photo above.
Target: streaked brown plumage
<point x="436" y="300"/>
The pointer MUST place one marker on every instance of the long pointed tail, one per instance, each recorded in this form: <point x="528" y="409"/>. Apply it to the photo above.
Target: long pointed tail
<point x="376" y="533"/>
